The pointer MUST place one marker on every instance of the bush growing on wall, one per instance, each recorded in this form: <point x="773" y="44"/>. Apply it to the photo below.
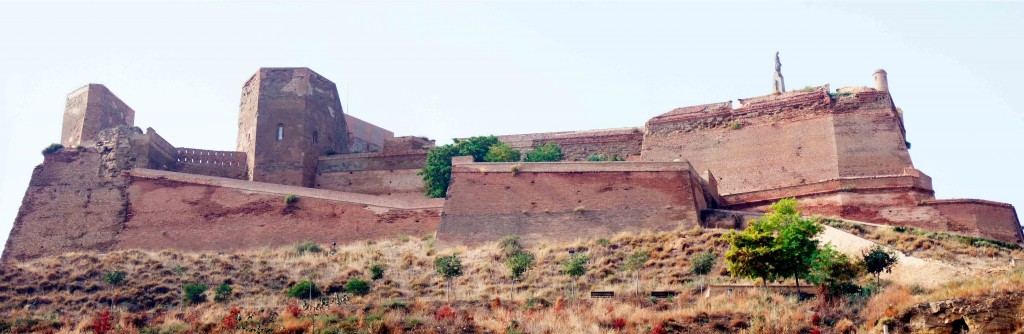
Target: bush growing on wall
<point x="501" y="152"/>
<point x="53" y="148"/>
<point x="604" y="157"/>
<point x="437" y="172"/>
<point x="545" y="153"/>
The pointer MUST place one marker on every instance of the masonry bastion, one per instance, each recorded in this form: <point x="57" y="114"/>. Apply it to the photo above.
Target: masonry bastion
<point x="840" y="153"/>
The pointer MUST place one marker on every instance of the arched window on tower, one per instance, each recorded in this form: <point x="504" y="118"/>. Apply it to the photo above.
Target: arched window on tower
<point x="316" y="137"/>
<point x="280" y="131"/>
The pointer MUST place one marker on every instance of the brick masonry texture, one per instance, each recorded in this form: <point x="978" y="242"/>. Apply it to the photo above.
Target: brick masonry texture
<point x="74" y="204"/>
<point x="578" y="145"/>
<point x="288" y="118"/>
<point x="566" y="201"/>
<point x="89" y="110"/>
<point x="841" y="154"/>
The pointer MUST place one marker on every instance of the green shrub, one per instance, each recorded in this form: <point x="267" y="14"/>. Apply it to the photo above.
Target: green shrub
<point x="291" y="199"/>
<point x="357" y="287"/>
<point x="308" y="246"/>
<point x="194" y="293"/>
<point x="223" y="292"/>
<point x="304" y="290"/>
<point x="510" y="245"/>
<point x="114" y="278"/>
<point x="545" y="153"/>
<point x="604" y="157"/>
<point x="376" y="271"/>
<point x="735" y="125"/>
<point x="394" y="304"/>
<point x="501" y="152"/>
<point x="53" y="148"/>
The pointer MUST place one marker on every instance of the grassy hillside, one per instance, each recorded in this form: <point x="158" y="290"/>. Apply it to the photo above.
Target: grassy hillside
<point x="68" y="293"/>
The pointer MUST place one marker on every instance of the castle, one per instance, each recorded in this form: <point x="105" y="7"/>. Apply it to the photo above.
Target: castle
<point x="305" y="170"/>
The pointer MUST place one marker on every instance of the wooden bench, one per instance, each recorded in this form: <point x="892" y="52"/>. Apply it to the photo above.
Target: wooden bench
<point x="602" y="294"/>
<point x="663" y="294"/>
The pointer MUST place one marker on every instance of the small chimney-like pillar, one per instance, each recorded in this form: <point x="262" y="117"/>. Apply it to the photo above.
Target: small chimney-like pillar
<point x="881" y="81"/>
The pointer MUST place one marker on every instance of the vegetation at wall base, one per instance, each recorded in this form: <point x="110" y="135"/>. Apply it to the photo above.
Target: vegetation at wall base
<point x="412" y="298"/>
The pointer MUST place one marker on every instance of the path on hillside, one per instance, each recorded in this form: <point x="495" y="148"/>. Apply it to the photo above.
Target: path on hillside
<point x="910" y="270"/>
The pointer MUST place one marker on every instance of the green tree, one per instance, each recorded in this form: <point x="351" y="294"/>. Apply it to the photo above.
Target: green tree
<point x="114" y="279"/>
<point x="701" y="265"/>
<point x="437" y="172"/>
<point x="448" y="267"/>
<point x="501" y="152"/>
<point x="222" y="293"/>
<point x="518" y="264"/>
<point x="633" y="263"/>
<point x="547" y="152"/>
<point x="834" y="271"/>
<point x="879" y="259"/>
<point x="575" y="266"/>
<point x="194" y="293"/>
<point x="779" y="244"/>
<point x="795" y="239"/>
<point x="376" y="271"/>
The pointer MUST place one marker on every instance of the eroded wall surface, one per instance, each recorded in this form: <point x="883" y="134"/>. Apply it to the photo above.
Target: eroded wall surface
<point x="567" y="201"/>
<point x="94" y="199"/>
<point x="89" y="110"/>
<point x="578" y="145"/>
<point x="69" y="206"/>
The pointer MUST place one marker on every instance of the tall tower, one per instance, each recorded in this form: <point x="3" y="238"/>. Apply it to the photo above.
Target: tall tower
<point x="89" y="110"/>
<point x="288" y="117"/>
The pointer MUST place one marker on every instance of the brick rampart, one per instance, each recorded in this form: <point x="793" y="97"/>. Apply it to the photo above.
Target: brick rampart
<point x="68" y="207"/>
<point x="213" y="163"/>
<point x="782" y="141"/>
<point x="578" y="145"/>
<point x="195" y="216"/>
<point x="390" y="172"/>
<point x="78" y="200"/>
<point x="566" y="201"/>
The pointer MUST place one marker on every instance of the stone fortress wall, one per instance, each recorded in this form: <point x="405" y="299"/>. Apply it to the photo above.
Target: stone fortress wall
<point x="840" y="153"/>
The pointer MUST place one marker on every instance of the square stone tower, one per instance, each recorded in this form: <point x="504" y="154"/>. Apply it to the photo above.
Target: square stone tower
<point x="89" y="110"/>
<point x="288" y="117"/>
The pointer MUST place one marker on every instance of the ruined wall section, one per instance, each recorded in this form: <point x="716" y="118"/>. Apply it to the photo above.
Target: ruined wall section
<point x="769" y="142"/>
<point x="566" y="201"/>
<point x="365" y="137"/>
<point x="578" y="145"/>
<point x="89" y="110"/>
<point x="69" y="206"/>
<point x="393" y="171"/>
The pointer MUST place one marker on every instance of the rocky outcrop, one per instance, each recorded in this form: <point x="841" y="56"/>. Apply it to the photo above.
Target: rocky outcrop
<point x="997" y="313"/>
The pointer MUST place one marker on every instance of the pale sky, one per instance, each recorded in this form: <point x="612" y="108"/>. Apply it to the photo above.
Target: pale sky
<point x="456" y="69"/>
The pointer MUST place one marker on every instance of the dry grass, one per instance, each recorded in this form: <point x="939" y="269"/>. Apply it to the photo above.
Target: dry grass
<point x="62" y="294"/>
<point x="952" y="249"/>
